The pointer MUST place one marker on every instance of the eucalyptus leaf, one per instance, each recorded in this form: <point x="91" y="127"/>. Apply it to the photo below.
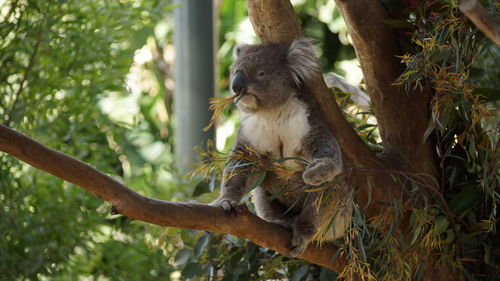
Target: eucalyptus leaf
<point x="466" y="199"/>
<point x="441" y="224"/>
<point x="201" y="188"/>
<point x="259" y="181"/>
<point x="201" y="245"/>
<point x="182" y="256"/>
<point x="300" y="273"/>
<point x="487" y="94"/>
<point x="327" y="275"/>
<point x="190" y="270"/>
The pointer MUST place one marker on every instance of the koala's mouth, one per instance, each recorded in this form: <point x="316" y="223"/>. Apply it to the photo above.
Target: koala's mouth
<point x="247" y="100"/>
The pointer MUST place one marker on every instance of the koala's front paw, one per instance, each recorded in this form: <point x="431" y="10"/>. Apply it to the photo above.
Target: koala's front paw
<point x="227" y="204"/>
<point x="320" y="171"/>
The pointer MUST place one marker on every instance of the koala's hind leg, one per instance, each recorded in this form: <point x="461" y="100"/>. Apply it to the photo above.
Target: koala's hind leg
<point x="271" y="210"/>
<point x="305" y="226"/>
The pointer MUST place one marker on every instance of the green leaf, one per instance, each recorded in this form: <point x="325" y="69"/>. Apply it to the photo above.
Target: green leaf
<point x="300" y="273"/>
<point x="171" y="7"/>
<point x="430" y="128"/>
<point x="487" y="94"/>
<point x="242" y="268"/>
<point x="201" y="188"/>
<point x="327" y="275"/>
<point x="201" y="245"/>
<point x="475" y="74"/>
<point x="450" y="237"/>
<point x="439" y="56"/>
<point x="441" y="224"/>
<point x="182" y="256"/>
<point x="259" y="181"/>
<point x="191" y="270"/>
<point x="466" y="199"/>
<point x="362" y="127"/>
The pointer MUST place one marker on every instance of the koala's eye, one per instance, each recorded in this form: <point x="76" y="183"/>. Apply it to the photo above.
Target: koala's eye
<point x="261" y="74"/>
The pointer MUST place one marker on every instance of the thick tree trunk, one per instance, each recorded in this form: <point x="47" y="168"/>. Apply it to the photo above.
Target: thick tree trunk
<point x="402" y="116"/>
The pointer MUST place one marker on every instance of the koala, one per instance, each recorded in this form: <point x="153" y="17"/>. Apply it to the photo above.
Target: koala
<point x="280" y="118"/>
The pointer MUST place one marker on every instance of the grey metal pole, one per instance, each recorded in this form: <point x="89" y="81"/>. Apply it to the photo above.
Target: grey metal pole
<point x="194" y="76"/>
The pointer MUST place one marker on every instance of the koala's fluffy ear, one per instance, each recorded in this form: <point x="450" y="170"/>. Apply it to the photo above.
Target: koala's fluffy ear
<point x="302" y="61"/>
<point x="237" y="50"/>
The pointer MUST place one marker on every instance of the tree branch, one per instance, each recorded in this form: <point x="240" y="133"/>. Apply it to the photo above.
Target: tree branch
<point x="27" y="72"/>
<point x="275" y="21"/>
<point x="402" y="116"/>
<point x="480" y="17"/>
<point x="184" y="215"/>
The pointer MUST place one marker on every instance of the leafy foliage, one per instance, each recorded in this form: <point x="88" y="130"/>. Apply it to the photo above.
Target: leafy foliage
<point x="58" y="60"/>
<point x="458" y="227"/>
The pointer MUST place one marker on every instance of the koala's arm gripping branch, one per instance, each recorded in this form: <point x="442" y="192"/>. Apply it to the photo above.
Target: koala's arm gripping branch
<point x="129" y="203"/>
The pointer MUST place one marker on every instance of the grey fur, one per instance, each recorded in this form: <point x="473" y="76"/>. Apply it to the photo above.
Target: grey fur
<point x="279" y="117"/>
<point x="302" y="60"/>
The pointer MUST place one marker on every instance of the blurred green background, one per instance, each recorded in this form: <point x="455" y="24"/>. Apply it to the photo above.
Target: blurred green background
<point x="94" y="79"/>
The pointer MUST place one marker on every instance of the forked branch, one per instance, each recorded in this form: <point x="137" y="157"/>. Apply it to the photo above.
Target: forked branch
<point x="164" y="213"/>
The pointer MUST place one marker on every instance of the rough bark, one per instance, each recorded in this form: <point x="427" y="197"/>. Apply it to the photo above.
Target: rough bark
<point x="274" y="21"/>
<point x="164" y="213"/>
<point x="402" y="116"/>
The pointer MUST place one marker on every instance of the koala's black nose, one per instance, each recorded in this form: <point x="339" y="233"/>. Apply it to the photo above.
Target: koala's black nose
<point x="239" y="82"/>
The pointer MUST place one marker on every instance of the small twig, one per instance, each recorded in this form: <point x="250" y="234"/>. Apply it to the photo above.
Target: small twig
<point x="217" y="105"/>
<point x="482" y="19"/>
<point x="25" y="77"/>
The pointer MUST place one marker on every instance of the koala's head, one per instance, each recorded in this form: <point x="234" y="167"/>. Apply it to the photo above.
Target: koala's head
<point x="268" y="74"/>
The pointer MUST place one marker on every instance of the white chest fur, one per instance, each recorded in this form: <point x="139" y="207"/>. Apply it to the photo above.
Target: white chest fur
<point x="280" y="131"/>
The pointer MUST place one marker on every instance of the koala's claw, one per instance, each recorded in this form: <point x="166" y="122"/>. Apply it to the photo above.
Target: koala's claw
<point x="227" y="205"/>
<point x="320" y="171"/>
